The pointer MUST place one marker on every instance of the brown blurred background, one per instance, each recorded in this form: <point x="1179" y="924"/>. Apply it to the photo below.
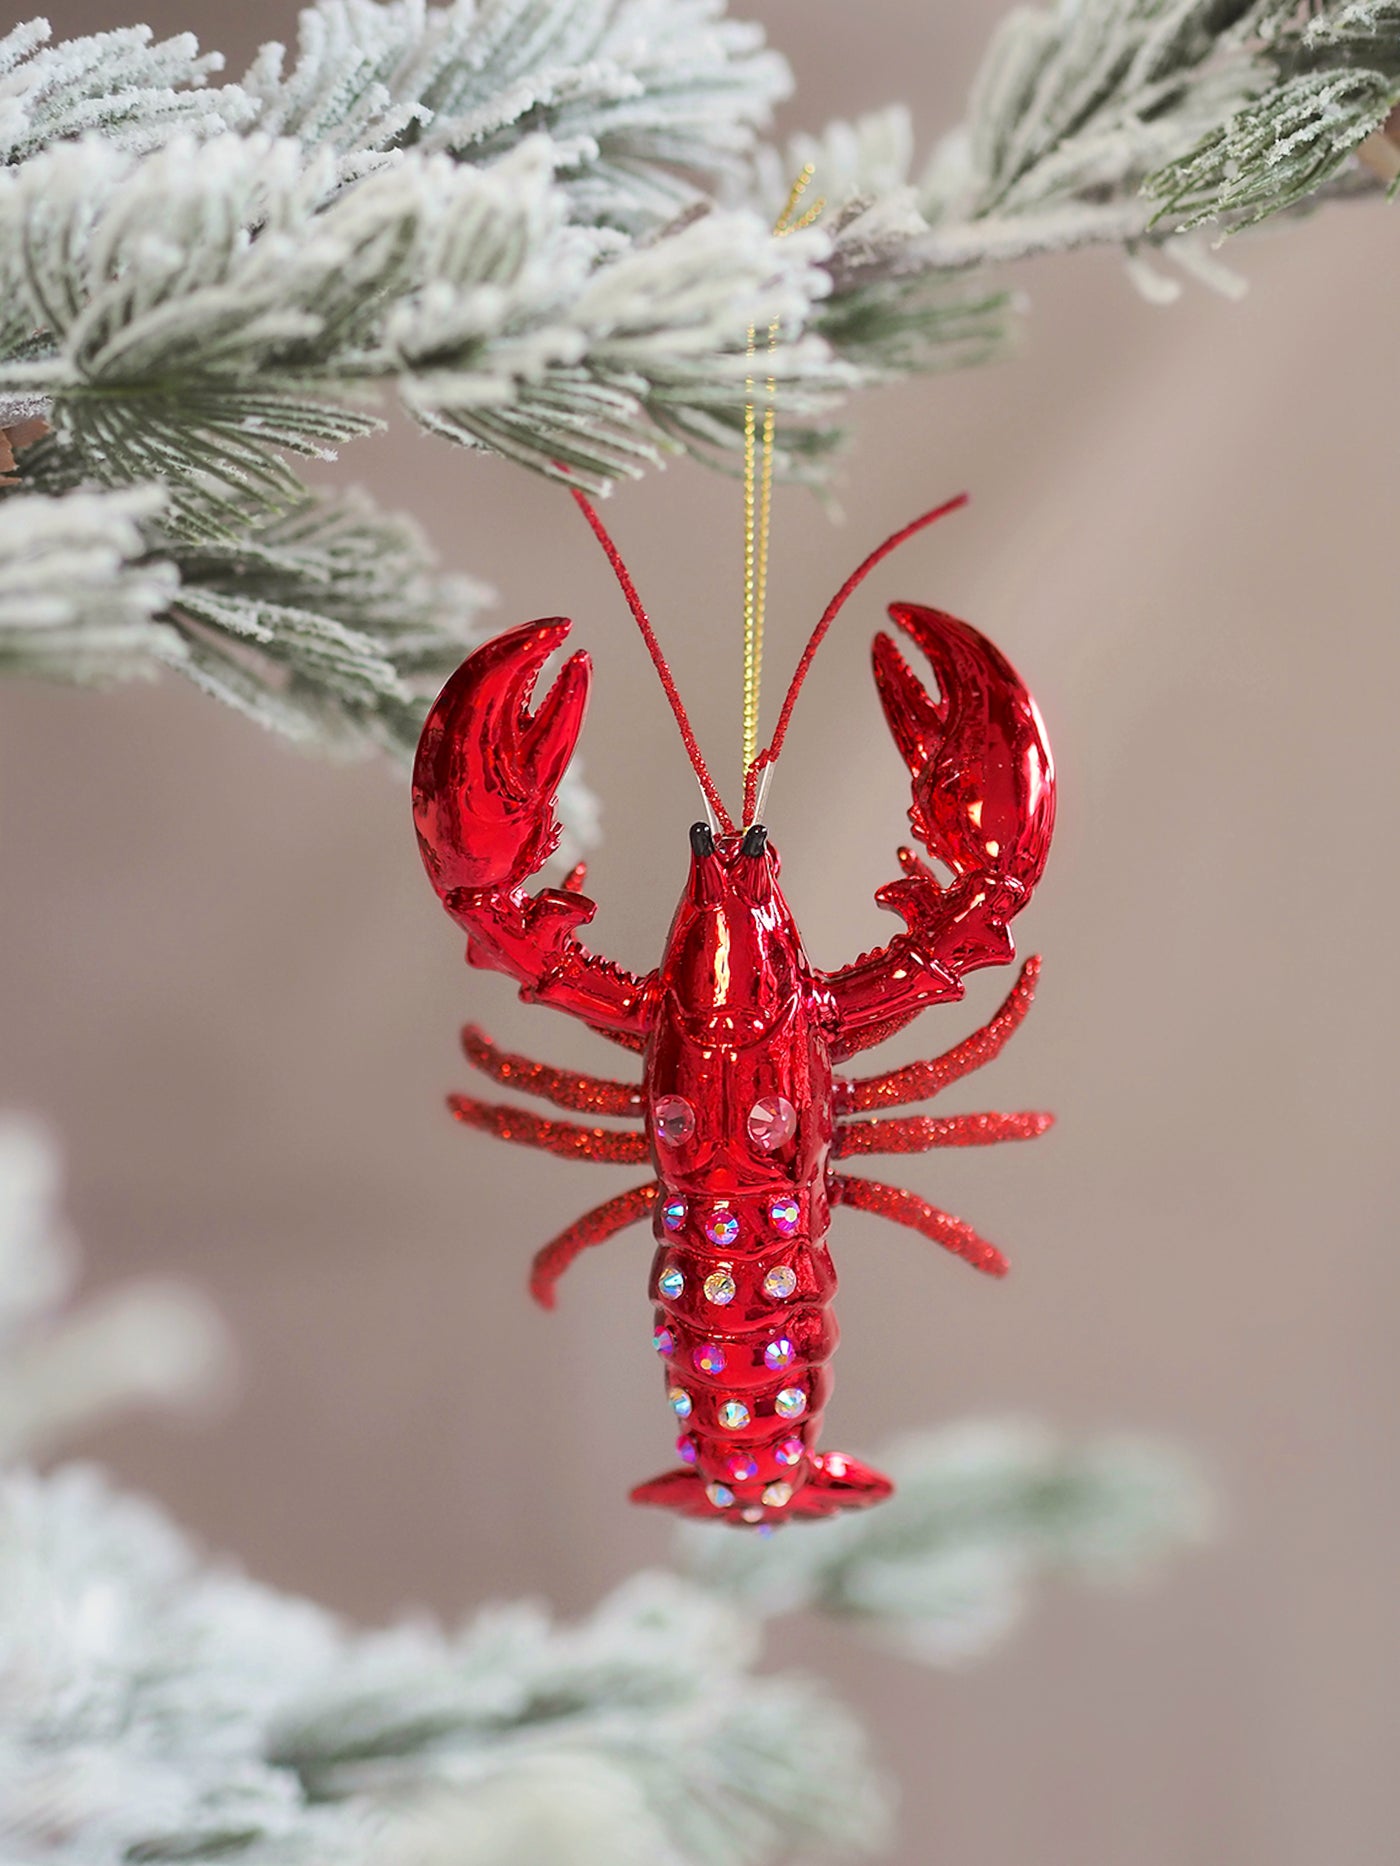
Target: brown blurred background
<point x="227" y="984"/>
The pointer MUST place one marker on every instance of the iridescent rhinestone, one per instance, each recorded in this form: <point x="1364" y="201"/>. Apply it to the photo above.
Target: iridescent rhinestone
<point x="733" y="1415"/>
<point x="686" y="1449"/>
<point x="753" y="1514"/>
<point x="680" y="1402"/>
<point x="673" y="1119"/>
<point x="776" y="1495"/>
<point x="719" y="1287"/>
<point x="670" y="1283"/>
<point x="722" y="1227"/>
<point x="709" y="1357"/>
<point x="790" y="1451"/>
<point x="720" y="1495"/>
<point x="663" y="1341"/>
<point x="785" y="1214"/>
<point x="780" y="1353"/>
<point x="673" y="1214"/>
<point x="742" y="1467"/>
<point x="780" y="1282"/>
<point x="772" y="1121"/>
<point x="791" y="1402"/>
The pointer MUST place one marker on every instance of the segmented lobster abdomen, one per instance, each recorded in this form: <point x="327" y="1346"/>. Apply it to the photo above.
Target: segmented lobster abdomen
<point x="738" y="1102"/>
<point x="743" y="1285"/>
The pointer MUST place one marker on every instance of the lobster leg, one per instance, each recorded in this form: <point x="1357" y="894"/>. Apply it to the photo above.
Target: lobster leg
<point x="919" y="1132"/>
<point x="595" y="1227"/>
<point x="565" y="1137"/>
<point x="918" y="1081"/>
<point x="565" y="1088"/>
<point x="907" y="1208"/>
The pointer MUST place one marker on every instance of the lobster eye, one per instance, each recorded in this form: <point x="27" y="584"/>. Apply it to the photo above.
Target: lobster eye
<point x="673" y="1119"/>
<point x="772" y="1121"/>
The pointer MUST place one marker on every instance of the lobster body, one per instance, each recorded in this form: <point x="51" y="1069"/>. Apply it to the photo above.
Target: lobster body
<point x="740" y="1119"/>
<point x="740" y="1113"/>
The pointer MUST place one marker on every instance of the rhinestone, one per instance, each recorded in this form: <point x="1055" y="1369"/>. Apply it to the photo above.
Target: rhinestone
<point x="720" y="1495"/>
<point x="680" y="1402"/>
<point x="776" y="1495"/>
<point x="778" y="1354"/>
<point x="742" y="1467"/>
<point x="663" y="1341"/>
<point x="722" y="1227"/>
<point x="791" y="1402"/>
<point x="834" y="1464"/>
<point x="686" y="1449"/>
<point x="780" y="1282"/>
<point x="673" y="1214"/>
<point x="790" y="1451"/>
<point x="733" y="1415"/>
<point x="709" y="1357"/>
<point x="719" y="1287"/>
<point x="670" y="1283"/>
<point x="772" y="1121"/>
<point x="785" y="1215"/>
<point x="753" y="1515"/>
<point x="673" y="1119"/>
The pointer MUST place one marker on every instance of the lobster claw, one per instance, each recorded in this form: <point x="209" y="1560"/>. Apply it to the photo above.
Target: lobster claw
<point x="487" y="771"/>
<point x="984" y="781"/>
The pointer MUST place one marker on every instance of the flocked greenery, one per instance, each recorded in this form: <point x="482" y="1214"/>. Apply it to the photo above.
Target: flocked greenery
<point x="541" y="228"/>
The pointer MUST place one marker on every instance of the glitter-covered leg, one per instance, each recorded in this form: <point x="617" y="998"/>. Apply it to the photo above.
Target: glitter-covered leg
<point x="846" y="1044"/>
<point x="917" y="1133"/>
<point x="919" y="1081"/>
<point x="595" y="1227"/>
<point x="565" y="1137"/>
<point x="564" y="1087"/>
<point x="907" y="1208"/>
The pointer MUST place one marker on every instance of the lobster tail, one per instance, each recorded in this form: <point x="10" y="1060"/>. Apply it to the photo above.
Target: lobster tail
<point x="833" y="1483"/>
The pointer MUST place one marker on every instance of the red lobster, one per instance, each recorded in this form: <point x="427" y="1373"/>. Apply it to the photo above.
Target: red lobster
<point x="738" y="1112"/>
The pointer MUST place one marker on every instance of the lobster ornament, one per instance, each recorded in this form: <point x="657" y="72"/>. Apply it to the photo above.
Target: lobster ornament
<point x="740" y="1115"/>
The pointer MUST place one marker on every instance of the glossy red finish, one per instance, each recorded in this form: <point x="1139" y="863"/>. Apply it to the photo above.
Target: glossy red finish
<point x="740" y="1109"/>
<point x="484" y="782"/>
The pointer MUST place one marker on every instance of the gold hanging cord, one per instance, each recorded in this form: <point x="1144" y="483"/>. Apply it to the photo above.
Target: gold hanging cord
<point x="758" y="487"/>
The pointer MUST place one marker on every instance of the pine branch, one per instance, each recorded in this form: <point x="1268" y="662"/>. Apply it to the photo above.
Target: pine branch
<point x="1124" y="123"/>
<point x="213" y="1718"/>
<point x="1073" y="108"/>
<point x="650" y="104"/>
<point x="122" y="86"/>
<point x="472" y="205"/>
<point x="980" y="1512"/>
<point x="329" y="625"/>
<point x="79" y="598"/>
<point x="1335" y="80"/>
<point x="215" y="306"/>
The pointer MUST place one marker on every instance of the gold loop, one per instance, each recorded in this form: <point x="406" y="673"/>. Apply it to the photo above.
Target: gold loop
<point x="758" y="491"/>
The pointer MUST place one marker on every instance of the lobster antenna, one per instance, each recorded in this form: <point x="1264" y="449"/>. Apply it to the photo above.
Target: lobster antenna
<point x="714" y="803"/>
<point x="767" y="758"/>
